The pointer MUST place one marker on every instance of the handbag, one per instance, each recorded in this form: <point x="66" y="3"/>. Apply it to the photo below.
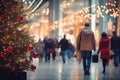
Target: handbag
<point x="111" y="56"/>
<point x="95" y="58"/>
<point x="78" y="56"/>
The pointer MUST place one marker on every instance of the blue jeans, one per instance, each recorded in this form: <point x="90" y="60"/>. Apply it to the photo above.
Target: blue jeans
<point x="119" y="57"/>
<point x="70" y="54"/>
<point x="116" y="57"/>
<point x="64" y="54"/>
<point x="86" y="60"/>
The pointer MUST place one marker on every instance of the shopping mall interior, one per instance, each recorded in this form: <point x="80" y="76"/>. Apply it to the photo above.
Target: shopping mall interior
<point x="54" y="19"/>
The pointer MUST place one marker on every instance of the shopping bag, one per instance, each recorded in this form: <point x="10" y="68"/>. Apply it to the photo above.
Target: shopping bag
<point x="78" y="56"/>
<point x="95" y="58"/>
<point x="111" y="56"/>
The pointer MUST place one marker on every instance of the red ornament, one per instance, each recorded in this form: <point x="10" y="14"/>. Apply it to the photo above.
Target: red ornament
<point x="1" y="17"/>
<point x="33" y="67"/>
<point x="35" y="55"/>
<point x="4" y="38"/>
<point x="27" y="61"/>
<point x="19" y="18"/>
<point x="10" y="49"/>
<point x="3" y="55"/>
<point x="29" y="48"/>
<point x="15" y="2"/>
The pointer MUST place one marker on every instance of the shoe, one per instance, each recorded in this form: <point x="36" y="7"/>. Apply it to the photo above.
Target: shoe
<point x="116" y="65"/>
<point x="103" y="71"/>
<point x="87" y="73"/>
<point x="63" y="62"/>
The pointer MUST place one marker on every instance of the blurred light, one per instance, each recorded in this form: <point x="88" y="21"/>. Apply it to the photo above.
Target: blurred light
<point x="31" y="27"/>
<point x="29" y="2"/>
<point x="23" y="0"/>
<point x="68" y="4"/>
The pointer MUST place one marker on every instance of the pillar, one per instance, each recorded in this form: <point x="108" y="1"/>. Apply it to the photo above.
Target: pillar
<point x="102" y="20"/>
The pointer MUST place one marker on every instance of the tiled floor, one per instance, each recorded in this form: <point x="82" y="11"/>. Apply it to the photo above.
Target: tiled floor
<point x="71" y="70"/>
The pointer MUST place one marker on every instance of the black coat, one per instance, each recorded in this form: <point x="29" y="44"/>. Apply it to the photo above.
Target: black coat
<point x="115" y="43"/>
<point x="64" y="44"/>
<point x="49" y="44"/>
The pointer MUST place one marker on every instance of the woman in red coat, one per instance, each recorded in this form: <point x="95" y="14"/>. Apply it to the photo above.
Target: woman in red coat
<point x="104" y="49"/>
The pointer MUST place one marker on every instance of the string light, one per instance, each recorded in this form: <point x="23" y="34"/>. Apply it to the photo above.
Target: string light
<point x="36" y="6"/>
<point x="108" y="9"/>
<point x="31" y="4"/>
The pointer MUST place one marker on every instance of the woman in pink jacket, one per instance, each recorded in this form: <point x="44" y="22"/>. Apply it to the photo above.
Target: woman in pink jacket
<point x="104" y="49"/>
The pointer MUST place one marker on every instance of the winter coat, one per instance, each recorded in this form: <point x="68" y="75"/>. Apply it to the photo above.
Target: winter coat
<point x="86" y="40"/>
<point x="64" y="44"/>
<point x="49" y="44"/>
<point x="104" y="48"/>
<point x="115" y="43"/>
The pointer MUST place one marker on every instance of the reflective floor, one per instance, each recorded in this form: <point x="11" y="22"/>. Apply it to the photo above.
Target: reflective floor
<point x="72" y="70"/>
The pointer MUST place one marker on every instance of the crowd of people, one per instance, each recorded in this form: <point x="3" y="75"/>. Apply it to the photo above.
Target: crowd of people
<point x="85" y="45"/>
<point x="50" y="48"/>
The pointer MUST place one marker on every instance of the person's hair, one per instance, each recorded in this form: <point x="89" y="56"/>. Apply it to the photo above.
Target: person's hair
<point x="114" y="33"/>
<point x="87" y="25"/>
<point x="64" y="36"/>
<point x="104" y="34"/>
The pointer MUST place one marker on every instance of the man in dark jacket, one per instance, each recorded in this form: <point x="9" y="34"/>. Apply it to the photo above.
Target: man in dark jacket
<point x="64" y="48"/>
<point x="49" y="49"/>
<point x="115" y="47"/>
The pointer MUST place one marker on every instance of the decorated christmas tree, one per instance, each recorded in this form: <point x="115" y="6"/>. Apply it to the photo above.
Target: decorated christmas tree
<point x="14" y="38"/>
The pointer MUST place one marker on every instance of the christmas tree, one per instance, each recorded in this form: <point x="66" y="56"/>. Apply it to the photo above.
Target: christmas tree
<point x="14" y="38"/>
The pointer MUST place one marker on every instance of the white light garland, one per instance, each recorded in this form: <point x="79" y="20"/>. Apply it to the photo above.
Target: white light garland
<point x="36" y="6"/>
<point x="31" y="4"/>
<point x="84" y="13"/>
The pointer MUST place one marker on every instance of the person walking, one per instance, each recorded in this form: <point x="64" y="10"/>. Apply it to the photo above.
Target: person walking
<point x="104" y="49"/>
<point x="55" y="46"/>
<point x="64" y="48"/>
<point x="115" y="47"/>
<point x="85" y="44"/>
<point x="40" y="49"/>
<point x="49" y="49"/>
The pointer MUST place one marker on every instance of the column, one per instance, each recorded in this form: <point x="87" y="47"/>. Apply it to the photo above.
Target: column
<point x="102" y="20"/>
<point x="54" y="10"/>
<point x="54" y="14"/>
<point x="60" y="25"/>
<point x="93" y="15"/>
